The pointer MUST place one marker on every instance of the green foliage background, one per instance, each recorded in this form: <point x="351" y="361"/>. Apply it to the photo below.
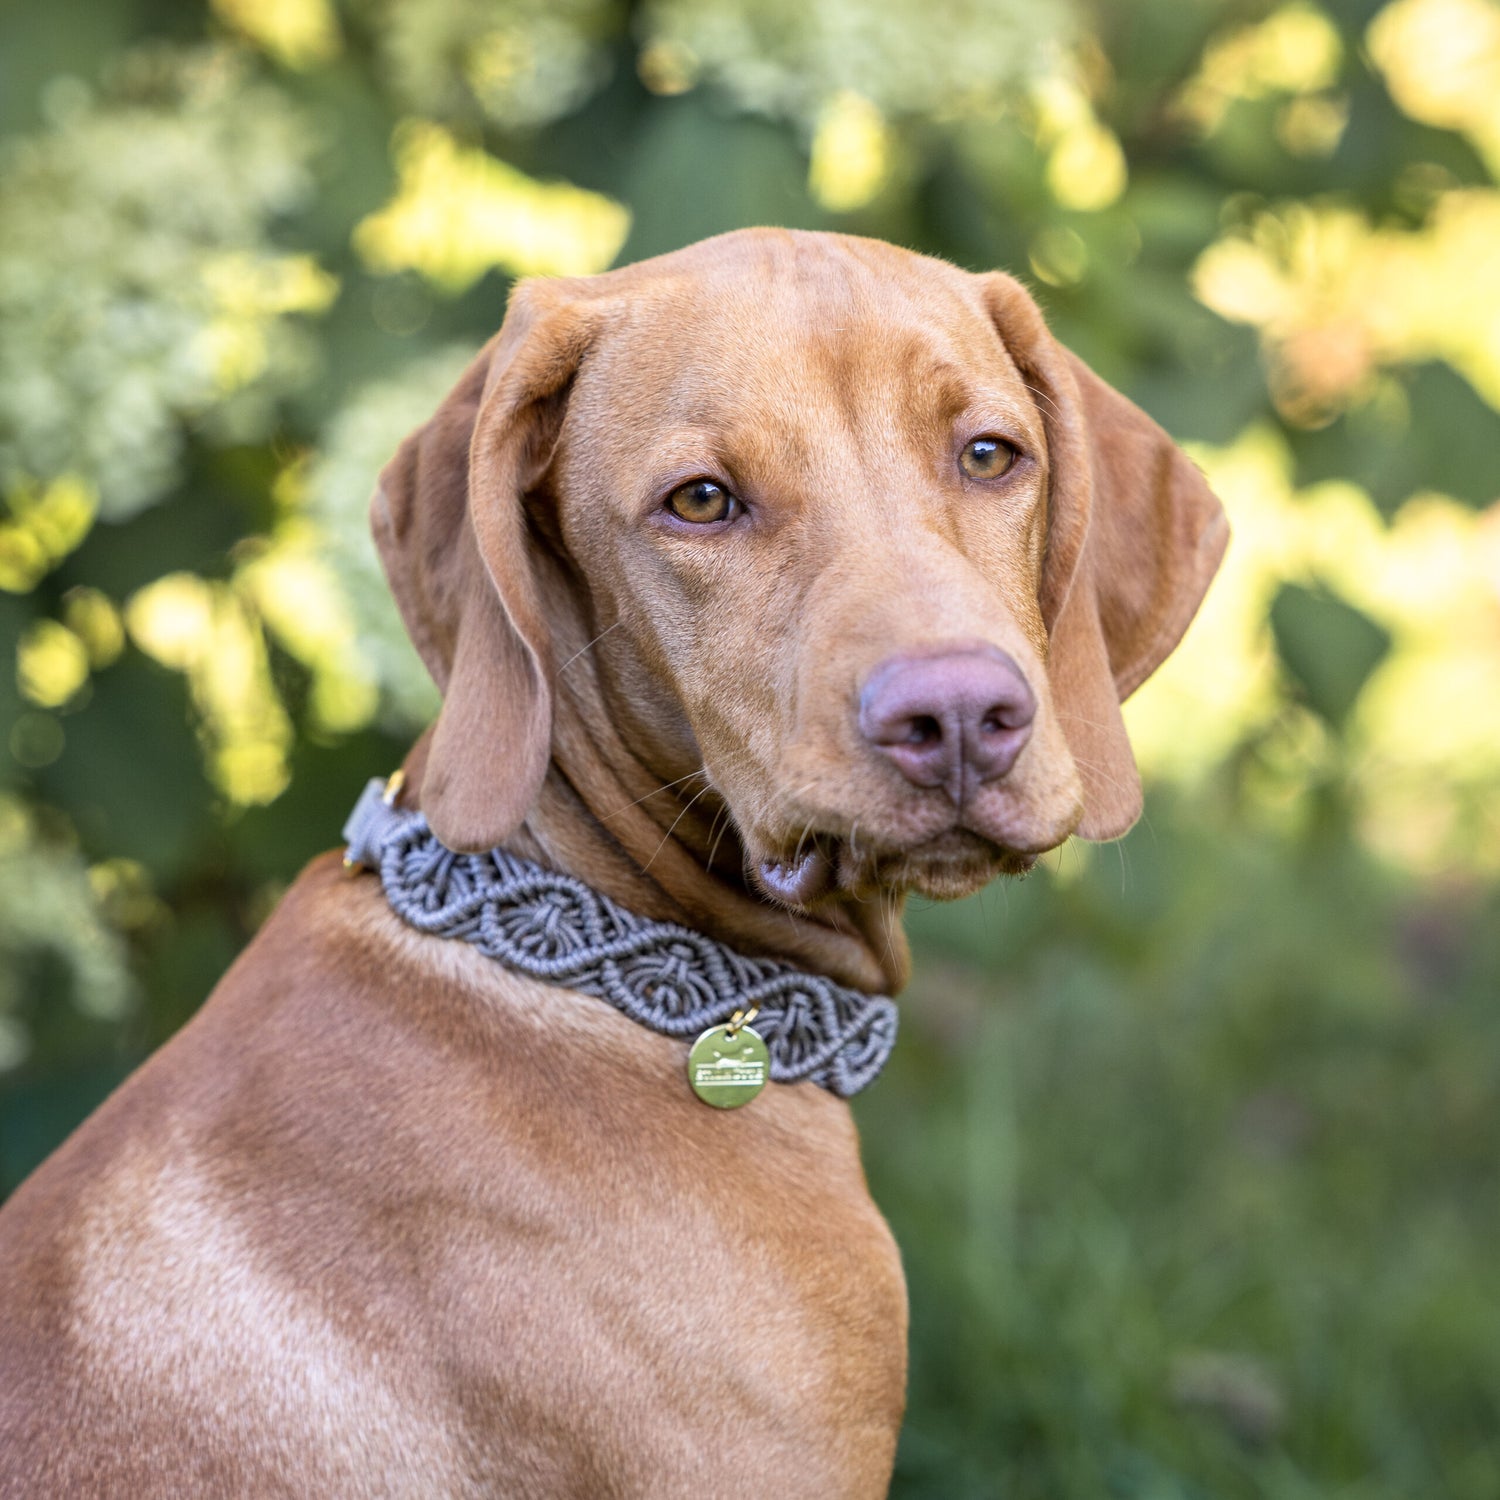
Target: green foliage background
<point x="1189" y="1143"/>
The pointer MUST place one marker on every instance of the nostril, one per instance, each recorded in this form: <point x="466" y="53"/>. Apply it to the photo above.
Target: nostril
<point x="1011" y="714"/>
<point x="924" y="730"/>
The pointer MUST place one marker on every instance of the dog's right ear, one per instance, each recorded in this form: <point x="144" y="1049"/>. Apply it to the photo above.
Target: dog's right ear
<point x="450" y="522"/>
<point x="1134" y="536"/>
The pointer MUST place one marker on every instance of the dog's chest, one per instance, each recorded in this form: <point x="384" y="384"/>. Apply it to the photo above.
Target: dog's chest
<point x="688" y="1303"/>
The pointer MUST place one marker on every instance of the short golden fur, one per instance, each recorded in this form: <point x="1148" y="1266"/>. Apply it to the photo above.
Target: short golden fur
<point x="386" y="1219"/>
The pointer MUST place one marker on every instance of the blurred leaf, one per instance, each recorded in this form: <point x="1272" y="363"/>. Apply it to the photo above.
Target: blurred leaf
<point x="187" y="535"/>
<point x="131" y="773"/>
<point x="1456" y="435"/>
<point x="13" y="618"/>
<point x="38" y="1111"/>
<point x="62" y="38"/>
<point x="695" y="171"/>
<point x="1447" y="439"/>
<point x="1329" y="647"/>
<point x="186" y="959"/>
<point x="275" y="841"/>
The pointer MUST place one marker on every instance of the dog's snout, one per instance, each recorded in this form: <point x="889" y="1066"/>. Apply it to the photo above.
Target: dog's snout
<point x="955" y="720"/>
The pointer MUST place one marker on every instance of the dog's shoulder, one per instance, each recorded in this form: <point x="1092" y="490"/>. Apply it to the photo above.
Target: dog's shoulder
<point x="379" y="1174"/>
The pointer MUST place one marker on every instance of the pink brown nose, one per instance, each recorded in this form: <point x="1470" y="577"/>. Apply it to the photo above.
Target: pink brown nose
<point x="953" y="721"/>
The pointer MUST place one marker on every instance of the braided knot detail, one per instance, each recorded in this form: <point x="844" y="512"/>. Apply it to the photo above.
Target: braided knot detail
<point x="671" y="979"/>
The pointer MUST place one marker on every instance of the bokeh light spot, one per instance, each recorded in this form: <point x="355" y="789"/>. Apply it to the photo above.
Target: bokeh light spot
<point x="850" y="154"/>
<point x="459" y="212"/>
<point x="51" y="663"/>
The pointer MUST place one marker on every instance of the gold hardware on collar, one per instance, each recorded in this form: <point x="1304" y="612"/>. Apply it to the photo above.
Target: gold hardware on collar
<point x="729" y="1064"/>
<point x="738" y="1019"/>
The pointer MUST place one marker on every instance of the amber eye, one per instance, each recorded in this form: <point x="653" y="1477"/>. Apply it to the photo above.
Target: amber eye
<point x="987" y="458"/>
<point x="702" y="502"/>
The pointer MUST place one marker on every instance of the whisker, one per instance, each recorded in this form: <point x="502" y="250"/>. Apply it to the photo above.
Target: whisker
<point x="1101" y="772"/>
<point x="801" y="839"/>
<point x="891" y="926"/>
<point x="588" y="647"/>
<point x="1079" y="719"/>
<point x="790" y="797"/>
<point x="1044" y="397"/>
<point x="666" y="837"/>
<point x="655" y="792"/>
<point x="728" y="817"/>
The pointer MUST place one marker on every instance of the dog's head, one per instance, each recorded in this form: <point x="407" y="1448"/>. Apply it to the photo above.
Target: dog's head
<point x="859" y="541"/>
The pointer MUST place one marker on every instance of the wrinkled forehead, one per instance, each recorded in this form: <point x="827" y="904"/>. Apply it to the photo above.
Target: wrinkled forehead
<point x="795" y="336"/>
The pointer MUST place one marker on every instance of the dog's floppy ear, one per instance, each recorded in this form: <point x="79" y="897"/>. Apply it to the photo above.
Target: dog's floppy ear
<point x="452" y="530"/>
<point x="1134" y="536"/>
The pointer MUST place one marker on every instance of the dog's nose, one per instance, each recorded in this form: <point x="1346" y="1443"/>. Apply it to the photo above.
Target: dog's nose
<point x="955" y="720"/>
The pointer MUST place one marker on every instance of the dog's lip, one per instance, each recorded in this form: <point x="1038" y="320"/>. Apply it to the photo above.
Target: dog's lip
<point x="800" y="879"/>
<point x="955" y="848"/>
<point x="826" y="864"/>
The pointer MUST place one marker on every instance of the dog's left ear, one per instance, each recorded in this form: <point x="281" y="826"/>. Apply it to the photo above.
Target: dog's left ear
<point x="450" y="522"/>
<point x="1134" y="535"/>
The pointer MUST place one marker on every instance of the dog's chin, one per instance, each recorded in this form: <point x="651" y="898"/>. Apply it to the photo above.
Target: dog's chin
<point x="953" y="865"/>
<point x="822" y="868"/>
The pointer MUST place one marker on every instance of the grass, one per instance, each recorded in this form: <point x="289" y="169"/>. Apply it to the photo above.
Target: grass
<point x="1191" y="1156"/>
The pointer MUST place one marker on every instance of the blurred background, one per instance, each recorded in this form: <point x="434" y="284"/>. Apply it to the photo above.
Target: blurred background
<point x="1190" y="1141"/>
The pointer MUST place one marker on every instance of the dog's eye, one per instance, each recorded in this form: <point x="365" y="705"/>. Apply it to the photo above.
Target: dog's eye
<point x="987" y="458"/>
<point x="702" y="502"/>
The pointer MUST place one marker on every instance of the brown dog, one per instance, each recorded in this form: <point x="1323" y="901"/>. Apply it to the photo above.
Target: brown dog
<point x="765" y="581"/>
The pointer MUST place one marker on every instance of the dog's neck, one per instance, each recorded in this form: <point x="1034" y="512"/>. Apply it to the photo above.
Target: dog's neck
<point x="672" y="853"/>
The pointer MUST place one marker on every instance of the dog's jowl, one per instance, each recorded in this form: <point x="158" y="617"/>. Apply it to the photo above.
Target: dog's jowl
<point x="765" y="582"/>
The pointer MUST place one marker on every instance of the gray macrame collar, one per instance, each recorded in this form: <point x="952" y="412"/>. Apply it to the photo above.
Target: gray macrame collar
<point x="669" y="978"/>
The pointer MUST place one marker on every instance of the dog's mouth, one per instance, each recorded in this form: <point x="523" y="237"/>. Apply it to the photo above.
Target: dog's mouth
<point x="954" y="863"/>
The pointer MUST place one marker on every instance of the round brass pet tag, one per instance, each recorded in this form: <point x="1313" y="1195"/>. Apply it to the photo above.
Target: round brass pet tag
<point x="728" y="1066"/>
